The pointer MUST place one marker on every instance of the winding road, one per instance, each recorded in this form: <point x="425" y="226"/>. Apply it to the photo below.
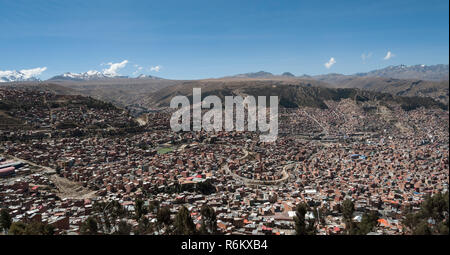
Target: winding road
<point x="248" y="181"/>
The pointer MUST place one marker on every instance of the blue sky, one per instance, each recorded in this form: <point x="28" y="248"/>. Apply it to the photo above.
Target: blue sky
<point x="201" y="39"/>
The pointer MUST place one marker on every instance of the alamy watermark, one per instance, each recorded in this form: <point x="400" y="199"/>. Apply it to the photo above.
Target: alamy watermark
<point x="212" y="120"/>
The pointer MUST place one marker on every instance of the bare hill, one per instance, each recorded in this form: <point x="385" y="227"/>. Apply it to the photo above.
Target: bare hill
<point x="291" y="93"/>
<point x="438" y="90"/>
<point x="120" y="91"/>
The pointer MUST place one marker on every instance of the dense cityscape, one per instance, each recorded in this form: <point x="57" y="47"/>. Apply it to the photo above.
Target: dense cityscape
<point x="75" y="165"/>
<point x="224" y="127"/>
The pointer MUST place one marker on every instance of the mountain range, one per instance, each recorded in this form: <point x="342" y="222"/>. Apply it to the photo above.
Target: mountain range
<point x="18" y="76"/>
<point x="145" y="90"/>
<point x="87" y="76"/>
<point x="417" y="80"/>
<point x="96" y="76"/>
<point x="419" y="72"/>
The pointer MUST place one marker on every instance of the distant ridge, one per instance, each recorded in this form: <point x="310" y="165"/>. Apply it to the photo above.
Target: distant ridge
<point x="421" y="72"/>
<point x="438" y="72"/>
<point x="86" y="76"/>
<point x="401" y="80"/>
<point x="261" y="75"/>
<point x="143" y="76"/>
<point x="416" y="72"/>
<point x="96" y="76"/>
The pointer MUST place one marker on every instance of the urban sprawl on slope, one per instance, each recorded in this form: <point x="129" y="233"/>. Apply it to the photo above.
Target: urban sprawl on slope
<point x="64" y="159"/>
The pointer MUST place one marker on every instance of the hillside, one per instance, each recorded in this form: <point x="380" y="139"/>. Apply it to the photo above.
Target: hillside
<point x="438" y="90"/>
<point x="38" y="110"/>
<point x="120" y="91"/>
<point x="401" y="80"/>
<point x="292" y="94"/>
<point x="40" y="86"/>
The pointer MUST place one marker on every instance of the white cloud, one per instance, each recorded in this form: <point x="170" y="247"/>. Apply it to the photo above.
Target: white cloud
<point x="389" y="55"/>
<point x="365" y="56"/>
<point x="330" y="63"/>
<point x="138" y="69"/>
<point x="155" y="68"/>
<point x="114" y="68"/>
<point x="6" y="73"/>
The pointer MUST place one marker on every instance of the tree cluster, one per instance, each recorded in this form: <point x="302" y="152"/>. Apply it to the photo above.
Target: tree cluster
<point x="432" y="218"/>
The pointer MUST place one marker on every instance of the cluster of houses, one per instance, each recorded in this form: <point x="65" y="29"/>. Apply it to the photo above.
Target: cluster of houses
<point x="253" y="187"/>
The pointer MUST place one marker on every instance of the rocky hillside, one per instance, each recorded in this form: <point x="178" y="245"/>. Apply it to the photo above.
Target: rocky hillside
<point x="291" y="94"/>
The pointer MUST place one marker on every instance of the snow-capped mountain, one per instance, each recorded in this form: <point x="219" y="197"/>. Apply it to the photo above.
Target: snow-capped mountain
<point x="86" y="76"/>
<point x="13" y="76"/>
<point x="95" y="75"/>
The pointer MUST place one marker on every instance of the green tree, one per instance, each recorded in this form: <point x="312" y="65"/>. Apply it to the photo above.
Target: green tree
<point x="184" y="224"/>
<point x="89" y="227"/>
<point x="123" y="228"/>
<point x="348" y="208"/>
<point x="435" y="207"/>
<point x="33" y="228"/>
<point x="319" y="215"/>
<point x="423" y="229"/>
<point x="299" y="219"/>
<point x="5" y="220"/>
<point x="139" y="209"/>
<point x="209" y="220"/>
<point x="153" y="206"/>
<point x="302" y="225"/>
<point x="432" y="218"/>
<point x="36" y="228"/>
<point x="368" y="222"/>
<point x="17" y="228"/>
<point x="108" y="213"/>
<point x="412" y="220"/>
<point x="205" y="187"/>
<point x="144" y="227"/>
<point x="163" y="217"/>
